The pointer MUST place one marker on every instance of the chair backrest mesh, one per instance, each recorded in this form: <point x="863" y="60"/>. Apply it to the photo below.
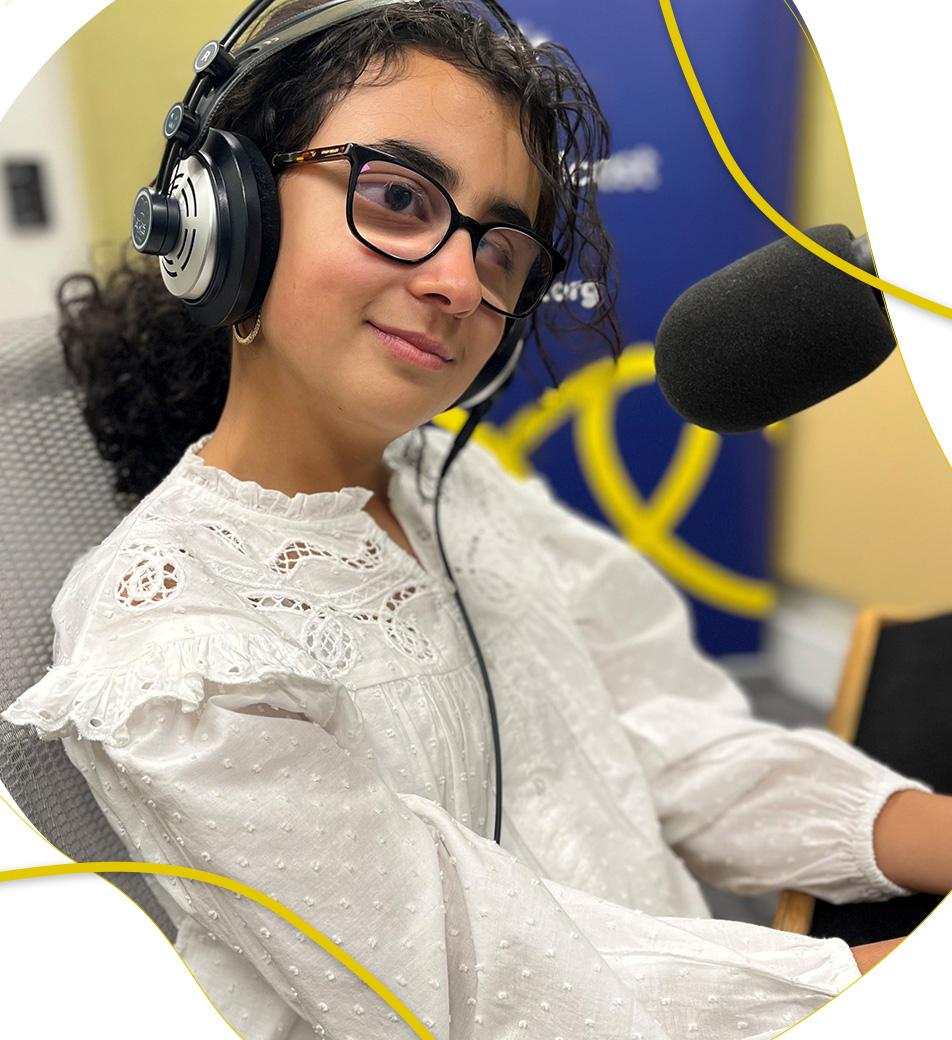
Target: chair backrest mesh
<point x="56" y="501"/>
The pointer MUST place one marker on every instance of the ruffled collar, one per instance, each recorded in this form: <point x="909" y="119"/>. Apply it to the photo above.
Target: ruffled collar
<point x="399" y="454"/>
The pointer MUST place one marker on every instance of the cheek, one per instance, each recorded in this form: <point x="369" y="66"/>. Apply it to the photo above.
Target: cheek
<point x="321" y="279"/>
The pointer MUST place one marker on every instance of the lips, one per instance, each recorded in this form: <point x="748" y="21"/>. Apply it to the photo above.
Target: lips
<point x="419" y="340"/>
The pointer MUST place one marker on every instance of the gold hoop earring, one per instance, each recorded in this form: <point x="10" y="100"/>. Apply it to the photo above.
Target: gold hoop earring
<point x="251" y="336"/>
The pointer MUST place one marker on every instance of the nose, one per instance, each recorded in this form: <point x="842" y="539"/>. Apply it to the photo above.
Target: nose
<point x="451" y="275"/>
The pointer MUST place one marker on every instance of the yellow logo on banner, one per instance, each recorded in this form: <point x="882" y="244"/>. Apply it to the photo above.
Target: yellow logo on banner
<point x="589" y="399"/>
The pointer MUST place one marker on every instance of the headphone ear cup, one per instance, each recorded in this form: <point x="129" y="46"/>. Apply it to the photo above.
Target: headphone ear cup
<point x="230" y="234"/>
<point x="270" y="210"/>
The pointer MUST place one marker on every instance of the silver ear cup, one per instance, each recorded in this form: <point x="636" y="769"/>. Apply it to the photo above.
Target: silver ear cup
<point x="187" y="270"/>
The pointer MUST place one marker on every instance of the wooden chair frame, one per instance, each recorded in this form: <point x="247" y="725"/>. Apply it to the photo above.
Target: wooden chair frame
<point x="795" y="909"/>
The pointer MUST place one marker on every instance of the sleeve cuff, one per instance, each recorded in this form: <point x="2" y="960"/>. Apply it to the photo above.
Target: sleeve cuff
<point x="880" y="888"/>
<point x="843" y="964"/>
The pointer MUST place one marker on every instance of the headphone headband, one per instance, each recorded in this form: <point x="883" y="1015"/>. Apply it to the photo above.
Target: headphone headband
<point x="219" y="69"/>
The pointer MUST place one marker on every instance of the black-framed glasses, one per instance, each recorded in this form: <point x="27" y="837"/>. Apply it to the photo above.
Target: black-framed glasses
<point x="402" y="214"/>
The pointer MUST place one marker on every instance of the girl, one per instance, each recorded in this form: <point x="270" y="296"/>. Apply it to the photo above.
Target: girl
<point x="262" y="673"/>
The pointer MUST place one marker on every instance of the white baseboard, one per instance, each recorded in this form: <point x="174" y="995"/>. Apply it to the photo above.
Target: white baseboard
<point x="806" y="642"/>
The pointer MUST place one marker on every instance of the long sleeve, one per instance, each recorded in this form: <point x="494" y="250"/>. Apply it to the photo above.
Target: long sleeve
<point x="450" y="922"/>
<point x="260" y="780"/>
<point x="750" y="806"/>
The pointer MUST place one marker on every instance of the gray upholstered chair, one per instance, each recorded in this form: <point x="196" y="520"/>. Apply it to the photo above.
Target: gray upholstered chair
<point x="56" y="501"/>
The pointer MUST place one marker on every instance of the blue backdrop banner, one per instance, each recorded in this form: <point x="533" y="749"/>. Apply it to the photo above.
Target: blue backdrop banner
<point x="696" y="504"/>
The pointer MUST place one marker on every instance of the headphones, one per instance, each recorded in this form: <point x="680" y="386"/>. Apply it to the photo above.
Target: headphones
<point x="212" y="215"/>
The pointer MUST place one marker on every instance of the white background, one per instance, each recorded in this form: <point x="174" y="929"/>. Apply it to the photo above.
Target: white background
<point x="79" y="959"/>
<point x="888" y="66"/>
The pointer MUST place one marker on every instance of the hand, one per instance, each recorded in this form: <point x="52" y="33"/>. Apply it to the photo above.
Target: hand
<point x="872" y="953"/>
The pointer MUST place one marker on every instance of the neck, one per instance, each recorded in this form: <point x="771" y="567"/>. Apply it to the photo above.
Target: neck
<point x="270" y="432"/>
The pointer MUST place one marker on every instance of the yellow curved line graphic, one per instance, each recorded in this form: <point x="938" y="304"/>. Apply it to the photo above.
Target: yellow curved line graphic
<point x="222" y="881"/>
<point x="690" y="77"/>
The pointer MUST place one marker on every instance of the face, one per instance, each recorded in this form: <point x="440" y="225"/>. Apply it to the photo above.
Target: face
<point x="329" y="289"/>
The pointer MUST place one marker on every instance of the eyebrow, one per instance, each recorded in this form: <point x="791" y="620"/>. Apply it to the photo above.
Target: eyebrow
<point x="433" y="166"/>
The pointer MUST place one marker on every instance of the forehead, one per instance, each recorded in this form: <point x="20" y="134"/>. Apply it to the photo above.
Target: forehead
<point x="444" y="111"/>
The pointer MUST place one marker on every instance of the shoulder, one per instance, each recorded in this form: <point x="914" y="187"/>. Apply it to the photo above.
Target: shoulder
<point x="524" y="491"/>
<point x="145" y="614"/>
<point x="478" y="465"/>
<point x="521" y="521"/>
<point x="577" y="547"/>
<point x="148" y="572"/>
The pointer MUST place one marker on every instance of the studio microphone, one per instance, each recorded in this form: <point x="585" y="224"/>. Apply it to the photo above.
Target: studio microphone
<point x="772" y="333"/>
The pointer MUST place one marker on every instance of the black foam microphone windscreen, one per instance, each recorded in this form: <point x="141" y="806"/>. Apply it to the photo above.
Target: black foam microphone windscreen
<point x="771" y="334"/>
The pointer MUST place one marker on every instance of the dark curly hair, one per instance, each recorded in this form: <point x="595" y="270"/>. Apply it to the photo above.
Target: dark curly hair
<point x="153" y="381"/>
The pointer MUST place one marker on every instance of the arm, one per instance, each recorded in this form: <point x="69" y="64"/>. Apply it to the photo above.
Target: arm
<point x="913" y="841"/>
<point x="449" y="922"/>
<point x="871" y="954"/>
<point x="751" y="806"/>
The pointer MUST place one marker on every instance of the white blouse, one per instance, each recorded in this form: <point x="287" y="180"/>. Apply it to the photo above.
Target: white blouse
<point x="268" y="687"/>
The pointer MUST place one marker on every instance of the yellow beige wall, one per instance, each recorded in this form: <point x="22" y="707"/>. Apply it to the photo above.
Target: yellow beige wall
<point x="864" y="492"/>
<point x="122" y="93"/>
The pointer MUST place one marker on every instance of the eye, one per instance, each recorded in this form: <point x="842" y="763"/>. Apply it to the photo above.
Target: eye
<point x="398" y="196"/>
<point x="494" y="245"/>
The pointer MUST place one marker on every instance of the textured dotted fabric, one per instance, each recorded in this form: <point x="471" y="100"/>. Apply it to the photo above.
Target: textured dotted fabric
<point x="269" y="687"/>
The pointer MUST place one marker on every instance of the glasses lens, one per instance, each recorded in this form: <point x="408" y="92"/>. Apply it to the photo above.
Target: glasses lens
<point x="399" y="211"/>
<point x="514" y="270"/>
<point x="406" y="215"/>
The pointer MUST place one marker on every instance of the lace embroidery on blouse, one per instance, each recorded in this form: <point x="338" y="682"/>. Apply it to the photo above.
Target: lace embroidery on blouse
<point x="335" y="600"/>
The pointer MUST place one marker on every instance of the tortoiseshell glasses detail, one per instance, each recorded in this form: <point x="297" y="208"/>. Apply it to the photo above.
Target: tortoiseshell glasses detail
<point x="403" y="214"/>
